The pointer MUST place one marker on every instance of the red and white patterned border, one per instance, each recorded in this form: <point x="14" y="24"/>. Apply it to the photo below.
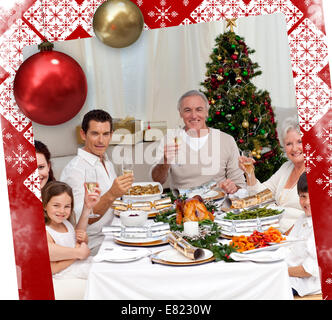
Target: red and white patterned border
<point x="27" y="22"/>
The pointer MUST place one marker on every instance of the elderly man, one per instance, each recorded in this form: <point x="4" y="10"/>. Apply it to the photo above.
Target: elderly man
<point x="96" y="133"/>
<point x="206" y="155"/>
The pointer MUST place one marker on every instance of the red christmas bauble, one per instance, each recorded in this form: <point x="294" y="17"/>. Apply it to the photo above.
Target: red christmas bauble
<point x="243" y="102"/>
<point x="50" y="87"/>
<point x="234" y="56"/>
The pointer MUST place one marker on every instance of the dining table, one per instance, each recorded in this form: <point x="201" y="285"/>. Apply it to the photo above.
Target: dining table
<point x="143" y="279"/>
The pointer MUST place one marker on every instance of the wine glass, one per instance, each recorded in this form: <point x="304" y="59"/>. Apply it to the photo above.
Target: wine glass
<point x="127" y="168"/>
<point x="91" y="184"/>
<point x="248" y="164"/>
<point x="177" y="141"/>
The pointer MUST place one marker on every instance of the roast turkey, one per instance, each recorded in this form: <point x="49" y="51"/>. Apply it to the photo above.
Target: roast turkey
<point x="192" y="209"/>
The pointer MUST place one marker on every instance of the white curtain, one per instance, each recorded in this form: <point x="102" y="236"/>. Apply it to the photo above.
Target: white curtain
<point x="146" y="79"/>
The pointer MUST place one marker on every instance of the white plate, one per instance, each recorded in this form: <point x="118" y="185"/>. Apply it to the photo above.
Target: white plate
<point x="174" y="256"/>
<point x="121" y="255"/>
<point x="263" y="256"/>
<point x="140" y="240"/>
<point x="206" y="195"/>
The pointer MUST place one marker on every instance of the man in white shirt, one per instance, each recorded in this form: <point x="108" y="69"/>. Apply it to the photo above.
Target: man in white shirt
<point x="96" y="133"/>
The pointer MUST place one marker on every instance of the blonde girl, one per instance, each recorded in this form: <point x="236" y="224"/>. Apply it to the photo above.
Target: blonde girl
<point x="68" y="245"/>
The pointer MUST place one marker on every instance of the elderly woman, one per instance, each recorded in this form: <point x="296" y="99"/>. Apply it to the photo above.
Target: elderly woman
<point x="43" y="163"/>
<point x="196" y="154"/>
<point x="283" y="182"/>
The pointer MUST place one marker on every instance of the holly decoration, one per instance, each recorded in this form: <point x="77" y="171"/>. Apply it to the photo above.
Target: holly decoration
<point x="237" y="107"/>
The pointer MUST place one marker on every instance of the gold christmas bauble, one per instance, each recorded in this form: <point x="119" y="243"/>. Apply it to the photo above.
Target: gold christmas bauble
<point x="118" y="23"/>
<point x="220" y="77"/>
<point x="213" y="101"/>
<point x="245" y="124"/>
<point x="254" y="153"/>
<point x="258" y="156"/>
<point x="219" y="58"/>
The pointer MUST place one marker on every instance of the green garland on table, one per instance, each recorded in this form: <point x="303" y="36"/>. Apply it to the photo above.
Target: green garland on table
<point x="210" y="241"/>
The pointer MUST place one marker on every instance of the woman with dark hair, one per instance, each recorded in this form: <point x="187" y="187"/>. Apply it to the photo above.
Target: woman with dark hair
<point x="43" y="163"/>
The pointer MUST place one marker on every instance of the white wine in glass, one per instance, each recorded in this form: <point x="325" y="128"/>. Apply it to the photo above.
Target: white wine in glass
<point x="248" y="165"/>
<point x="91" y="180"/>
<point x="127" y="168"/>
<point x="91" y="185"/>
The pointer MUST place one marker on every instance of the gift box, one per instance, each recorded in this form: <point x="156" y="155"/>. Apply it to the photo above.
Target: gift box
<point x="154" y="130"/>
<point x="127" y="131"/>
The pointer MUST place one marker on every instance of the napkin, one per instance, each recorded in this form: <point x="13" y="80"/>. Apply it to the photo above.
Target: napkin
<point x="120" y="254"/>
<point x="261" y="256"/>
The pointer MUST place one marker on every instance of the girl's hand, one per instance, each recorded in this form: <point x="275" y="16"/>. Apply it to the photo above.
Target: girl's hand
<point x="83" y="251"/>
<point x="92" y="198"/>
<point x="81" y="236"/>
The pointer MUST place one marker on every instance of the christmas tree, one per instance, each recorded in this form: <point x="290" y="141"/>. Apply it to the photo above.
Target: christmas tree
<point x="237" y="107"/>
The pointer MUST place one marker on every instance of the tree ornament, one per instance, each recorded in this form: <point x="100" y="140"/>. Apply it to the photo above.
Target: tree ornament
<point x="50" y="87"/>
<point x="213" y="101"/>
<point x="220" y="77"/>
<point x="245" y="124"/>
<point x="217" y="113"/>
<point x="243" y="102"/>
<point x="258" y="156"/>
<point x="231" y="24"/>
<point x="241" y="140"/>
<point x="118" y="23"/>
<point x="262" y="131"/>
<point x="219" y="58"/>
<point x="255" y="119"/>
<point x="245" y="73"/>
<point x="238" y="79"/>
<point x="234" y="56"/>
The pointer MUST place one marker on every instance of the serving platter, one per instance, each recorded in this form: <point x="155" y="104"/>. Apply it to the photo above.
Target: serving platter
<point x="144" y="197"/>
<point x="172" y="257"/>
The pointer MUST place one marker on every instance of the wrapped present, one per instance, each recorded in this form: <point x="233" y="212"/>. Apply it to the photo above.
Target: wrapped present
<point x="142" y="205"/>
<point x="154" y="130"/>
<point x="264" y="196"/>
<point x="183" y="246"/>
<point x="127" y="131"/>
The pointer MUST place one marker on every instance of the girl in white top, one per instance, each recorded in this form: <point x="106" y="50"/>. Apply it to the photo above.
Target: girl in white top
<point x="67" y="245"/>
<point x="283" y="182"/>
<point x="301" y="258"/>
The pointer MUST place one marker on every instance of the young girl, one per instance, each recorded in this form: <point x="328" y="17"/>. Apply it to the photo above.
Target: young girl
<point x="68" y="249"/>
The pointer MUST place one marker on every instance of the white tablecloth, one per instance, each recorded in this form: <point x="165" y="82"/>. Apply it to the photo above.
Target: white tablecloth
<point x="143" y="280"/>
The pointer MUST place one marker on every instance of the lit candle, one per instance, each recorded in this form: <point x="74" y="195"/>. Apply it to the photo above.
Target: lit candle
<point x="191" y="228"/>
